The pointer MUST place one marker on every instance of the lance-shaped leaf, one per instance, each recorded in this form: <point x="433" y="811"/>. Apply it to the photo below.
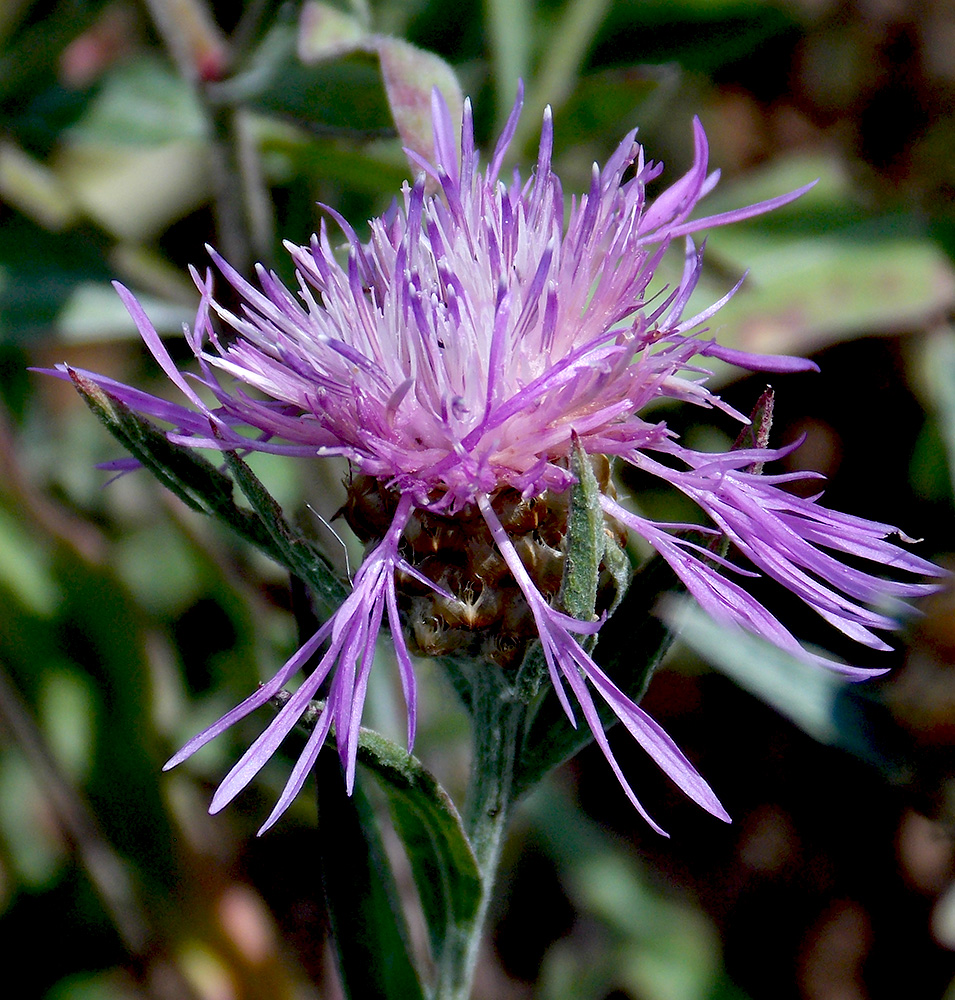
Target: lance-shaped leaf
<point x="195" y="480"/>
<point x="587" y="544"/>
<point x="937" y="365"/>
<point x="442" y="862"/>
<point x="203" y="487"/>
<point x="325" y="32"/>
<point x="192" y="36"/>
<point x="368" y="928"/>
<point x="756" y="433"/>
<point x="829" y="708"/>
<point x="585" y="539"/>
<point x="410" y="75"/>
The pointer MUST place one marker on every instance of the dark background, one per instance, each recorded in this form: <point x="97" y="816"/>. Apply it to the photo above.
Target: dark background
<point x="127" y="623"/>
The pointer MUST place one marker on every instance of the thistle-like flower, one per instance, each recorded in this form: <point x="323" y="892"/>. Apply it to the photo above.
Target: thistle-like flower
<point x="454" y="360"/>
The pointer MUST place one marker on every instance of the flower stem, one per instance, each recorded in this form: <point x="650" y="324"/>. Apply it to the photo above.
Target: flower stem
<point x="497" y="720"/>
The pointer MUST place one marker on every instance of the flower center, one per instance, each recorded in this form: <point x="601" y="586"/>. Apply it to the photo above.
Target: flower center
<point x="487" y="615"/>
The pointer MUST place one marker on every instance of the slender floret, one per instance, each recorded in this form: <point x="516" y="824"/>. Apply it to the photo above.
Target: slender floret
<point x="453" y="360"/>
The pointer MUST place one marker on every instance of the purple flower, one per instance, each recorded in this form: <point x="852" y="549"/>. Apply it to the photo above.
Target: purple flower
<point x="452" y="360"/>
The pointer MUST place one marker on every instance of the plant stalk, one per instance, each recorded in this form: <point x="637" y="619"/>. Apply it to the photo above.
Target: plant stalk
<point x="497" y="720"/>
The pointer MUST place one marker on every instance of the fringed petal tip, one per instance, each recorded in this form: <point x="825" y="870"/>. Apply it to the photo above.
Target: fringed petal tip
<point x="351" y="634"/>
<point x="568" y="664"/>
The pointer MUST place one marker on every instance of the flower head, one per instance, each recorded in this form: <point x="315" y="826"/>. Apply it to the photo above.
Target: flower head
<point x="454" y="359"/>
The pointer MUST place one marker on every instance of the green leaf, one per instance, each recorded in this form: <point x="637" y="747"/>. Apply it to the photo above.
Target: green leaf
<point x="827" y="707"/>
<point x="93" y="313"/>
<point x="325" y="32"/>
<point x="606" y="103"/>
<point x="135" y="192"/>
<point x="409" y="74"/>
<point x="756" y="433"/>
<point x="368" y="927"/>
<point x="617" y="563"/>
<point x="32" y="188"/>
<point x="138" y="158"/>
<point x="589" y="546"/>
<point x="937" y="364"/>
<point x="651" y="943"/>
<point x="444" y="868"/>
<point x="25" y="570"/>
<point x="442" y="862"/>
<point x="585" y="539"/>
<point x="190" y="476"/>
<point x="200" y="485"/>
<point x="343" y="95"/>
<point x="346" y="95"/>
<point x="811" y="282"/>
<point x="297" y="552"/>
<point x="60" y="284"/>
<point x="632" y="644"/>
<point x="40" y="272"/>
<point x="563" y="54"/>
<point x="803" y="693"/>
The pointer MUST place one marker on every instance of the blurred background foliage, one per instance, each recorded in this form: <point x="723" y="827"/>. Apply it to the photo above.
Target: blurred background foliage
<point x="133" y="133"/>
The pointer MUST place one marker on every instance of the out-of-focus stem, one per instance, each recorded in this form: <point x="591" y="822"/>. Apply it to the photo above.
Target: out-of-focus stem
<point x="561" y="61"/>
<point x="248" y="27"/>
<point x="160" y="977"/>
<point x="243" y="207"/>
<point x="257" y="199"/>
<point x="232" y="223"/>
<point x="509" y="28"/>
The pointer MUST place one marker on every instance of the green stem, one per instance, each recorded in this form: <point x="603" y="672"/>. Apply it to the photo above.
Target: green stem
<point x="497" y="719"/>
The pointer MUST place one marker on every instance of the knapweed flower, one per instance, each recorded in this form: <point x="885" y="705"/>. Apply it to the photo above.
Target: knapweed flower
<point x="453" y="360"/>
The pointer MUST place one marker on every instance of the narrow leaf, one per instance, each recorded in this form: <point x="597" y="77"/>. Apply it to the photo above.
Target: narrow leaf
<point x="443" y="865"/>
<point x="938" y="374"/>
<point x="804" y="693"/>
<point x="325" y="32"/>
<point x="510" y="33"/>
<point x="617" y="563"/>
<point x="298" y="554"/>
<point x="368" y="928"/>
<point x="561" y="58"/>
<point x="756" y="433"/>
<point x="632" y="644"/>
<point x="827" y="707"/>
<point x="442" y="862"/>
<point x="204" y="488"/>
<point x="585" y="539"/>
<point x="409" y="74"/>
<point x="187" y="474"/>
